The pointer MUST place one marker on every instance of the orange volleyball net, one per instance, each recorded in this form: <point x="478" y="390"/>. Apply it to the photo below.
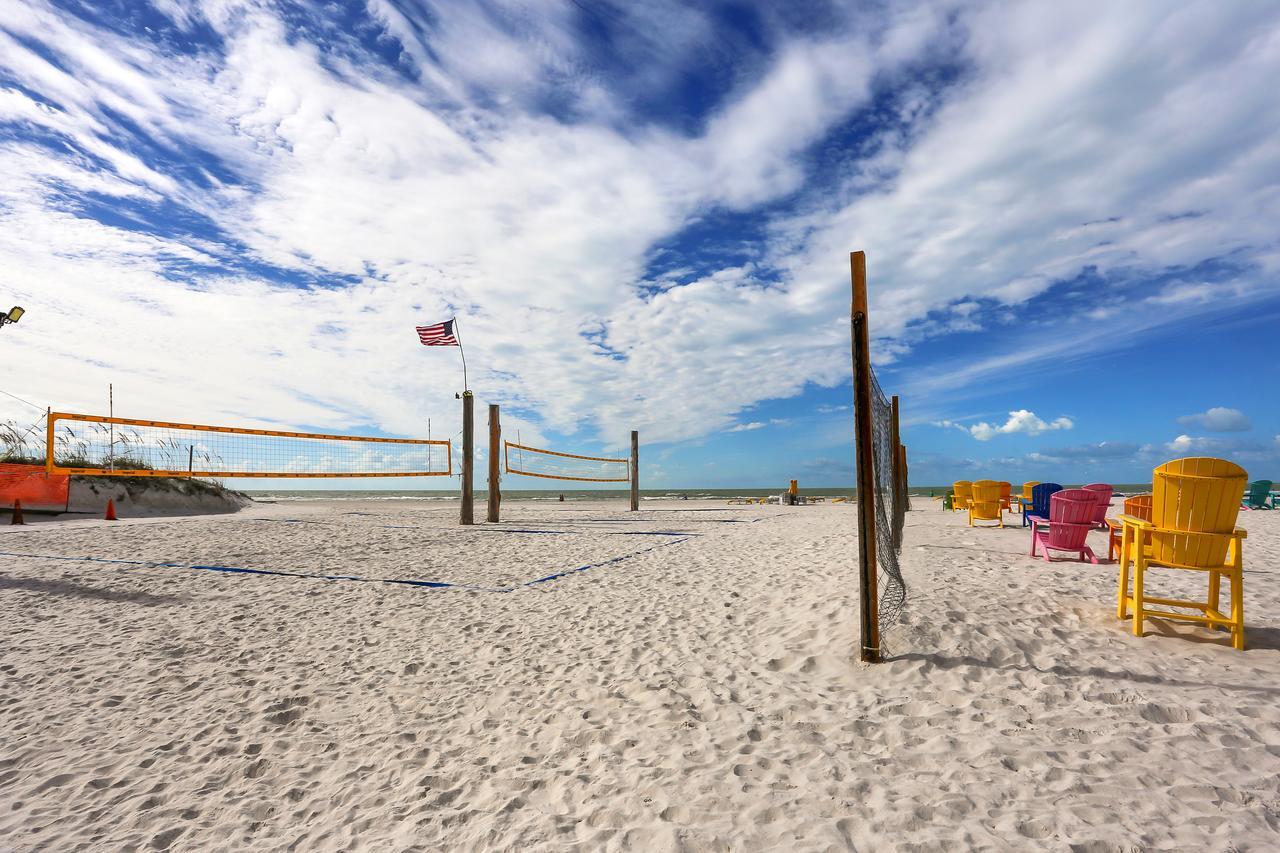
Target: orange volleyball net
<point x="554" y="465"/>
<point x="126" y="447"/>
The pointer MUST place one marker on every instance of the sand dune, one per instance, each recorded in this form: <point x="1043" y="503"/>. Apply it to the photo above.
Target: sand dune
<point x="691" y="688"/>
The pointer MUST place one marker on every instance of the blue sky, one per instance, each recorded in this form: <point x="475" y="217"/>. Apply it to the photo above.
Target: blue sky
<point x="641" y="213"/>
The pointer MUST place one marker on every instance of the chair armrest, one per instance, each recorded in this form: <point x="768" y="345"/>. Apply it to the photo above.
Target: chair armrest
<point x="1136" y="522"/>
<point x="1237" y="533"/>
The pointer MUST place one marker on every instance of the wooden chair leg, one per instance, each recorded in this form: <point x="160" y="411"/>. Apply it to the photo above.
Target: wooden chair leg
<point x="1122" y="608"/>
<point x="1138" y="603"/>
<point x="1215" y="588"/>
<point x="1237" y="609"/>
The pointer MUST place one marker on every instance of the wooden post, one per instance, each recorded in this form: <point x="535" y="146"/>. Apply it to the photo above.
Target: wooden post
<point x="869" y="600"/>
<point x="898" y="494"/>
<point x="906" y="480"/>
<point x="48" y="441"/>
<point x="635" y="470"/>
<point x="495" y="449"/>
<point x="468" y="456"/>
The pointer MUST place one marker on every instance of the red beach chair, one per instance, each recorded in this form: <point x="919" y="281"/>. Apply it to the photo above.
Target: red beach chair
<point x="1071" y="513"/>
<point x="1102" y="493"/>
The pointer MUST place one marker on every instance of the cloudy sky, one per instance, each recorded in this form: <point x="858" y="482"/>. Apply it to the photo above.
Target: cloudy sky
<point x="641" y="213"/>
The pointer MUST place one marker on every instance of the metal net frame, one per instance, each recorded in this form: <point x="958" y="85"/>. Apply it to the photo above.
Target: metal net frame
<point x="127" y="447"/>
<point x="554" y="465"/>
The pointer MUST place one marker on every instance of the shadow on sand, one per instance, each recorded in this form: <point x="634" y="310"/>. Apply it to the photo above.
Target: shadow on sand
<point x="1257" y="638"/>
<point x="77" y="590"/>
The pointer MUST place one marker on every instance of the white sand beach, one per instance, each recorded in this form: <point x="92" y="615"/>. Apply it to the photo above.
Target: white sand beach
<point x="699" y="692"/>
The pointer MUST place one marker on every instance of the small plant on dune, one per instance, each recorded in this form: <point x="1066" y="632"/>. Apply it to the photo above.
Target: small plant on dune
<point x="21" y="445"/>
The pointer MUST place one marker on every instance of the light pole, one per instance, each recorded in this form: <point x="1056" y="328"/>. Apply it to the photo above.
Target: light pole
<point x="14" y="315"/>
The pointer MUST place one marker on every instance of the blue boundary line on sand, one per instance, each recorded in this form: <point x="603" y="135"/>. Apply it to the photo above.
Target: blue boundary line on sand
<point x="354" y="578"/>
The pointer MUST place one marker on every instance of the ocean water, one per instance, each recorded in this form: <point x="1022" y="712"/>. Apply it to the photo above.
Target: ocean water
<point x="593" y="494"/>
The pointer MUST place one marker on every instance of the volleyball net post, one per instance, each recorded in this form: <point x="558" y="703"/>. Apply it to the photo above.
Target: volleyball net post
<point x="467" y="514"/>
<point x="495" y="467"/>
<point x="635" y="470"/>
<point x="906" y="480"/>
<point x="881" y="470"/>
<point x="869" y="639"/>
<point x="898" y="490"/>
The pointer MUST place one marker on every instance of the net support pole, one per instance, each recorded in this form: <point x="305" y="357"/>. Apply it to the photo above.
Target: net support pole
<point x="906" y="481"/>
<point x="495" y="451"/>
<point x="468" y="457"/>
<point x="898" y="492"/>
<point x="868" y="602"/>
<point x="48" y="441"/>
<point x="635" y="470"/>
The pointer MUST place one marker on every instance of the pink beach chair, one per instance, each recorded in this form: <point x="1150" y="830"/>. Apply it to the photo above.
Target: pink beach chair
<point x="1102" y="493"/>
<point x="1071" y="513"/>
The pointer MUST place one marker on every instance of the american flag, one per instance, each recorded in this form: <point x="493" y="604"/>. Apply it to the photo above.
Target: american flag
<point x="439" y="335"/>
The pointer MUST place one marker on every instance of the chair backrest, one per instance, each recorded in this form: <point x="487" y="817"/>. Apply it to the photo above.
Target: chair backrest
<point x="1040" y="494"/>
<point x="1027" y="487"/>
<point x="1139" y="506"/>
<point x="1197" y="495"/>
<point x="1259" y="493"/>
<point x="963" y="490"/>
<point x="1006" y="492"/>
<point x="1071" y="514"/>
<point x="986" y="499"/>
<point x="1102" y="494"/>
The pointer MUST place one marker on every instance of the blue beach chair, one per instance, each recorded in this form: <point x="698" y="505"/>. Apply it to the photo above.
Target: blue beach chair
<point x="1039" y="508"/>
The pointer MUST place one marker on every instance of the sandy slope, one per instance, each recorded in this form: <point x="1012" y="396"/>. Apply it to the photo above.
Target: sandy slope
<point x="697" y="695"/>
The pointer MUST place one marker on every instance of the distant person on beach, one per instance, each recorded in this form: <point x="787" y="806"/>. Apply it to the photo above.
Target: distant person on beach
<point x="562" y="499"/>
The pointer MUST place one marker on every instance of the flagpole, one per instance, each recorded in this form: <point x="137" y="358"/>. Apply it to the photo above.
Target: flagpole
<point x="465" y="386"/>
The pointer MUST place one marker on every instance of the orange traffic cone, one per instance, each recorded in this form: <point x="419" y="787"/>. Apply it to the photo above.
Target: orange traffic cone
<point x="111" y="510"/>
<point x="17" y="513"/>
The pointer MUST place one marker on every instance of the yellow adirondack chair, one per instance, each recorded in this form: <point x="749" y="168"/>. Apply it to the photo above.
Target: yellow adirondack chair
<point x="986" y="504"/>
<point x="1005" y="494"/>
<point x="962" y="493"/>
<point x="1194" y="505"/>
<point x="1025" y="500"/>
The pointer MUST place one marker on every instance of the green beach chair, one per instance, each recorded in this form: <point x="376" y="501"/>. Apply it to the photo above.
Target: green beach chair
<point x="1258" y="495"/>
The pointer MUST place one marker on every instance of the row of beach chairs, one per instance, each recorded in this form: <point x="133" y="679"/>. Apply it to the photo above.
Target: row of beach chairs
<point x="1187" y="522"/>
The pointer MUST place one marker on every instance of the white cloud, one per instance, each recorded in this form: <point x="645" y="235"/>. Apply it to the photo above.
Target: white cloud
<point x="1028" y="173"/>
<point x="948" y="424"/>
<point x="1218" y="419"/>
<point x="1020" y="421"/>
<point x="747" y="427"/>
<point x="1191" y="444"/>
